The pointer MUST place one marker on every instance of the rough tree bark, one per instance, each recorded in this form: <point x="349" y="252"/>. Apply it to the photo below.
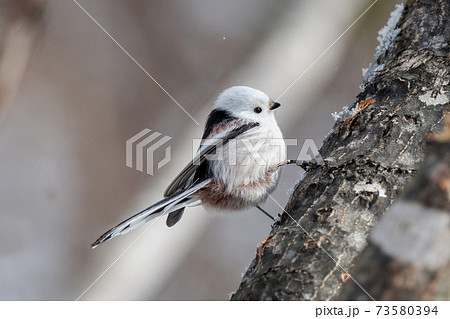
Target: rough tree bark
<point x="377" y="146"/>
<point x="408" y="256"/>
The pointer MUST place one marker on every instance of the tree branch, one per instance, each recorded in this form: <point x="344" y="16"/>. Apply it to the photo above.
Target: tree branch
<point x="408" y="256"/>
<point x="377" y="146"/>
<point x="20" y="24"/>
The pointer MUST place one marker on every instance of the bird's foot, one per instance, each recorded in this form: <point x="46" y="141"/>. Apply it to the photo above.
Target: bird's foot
<point x="315" y="162"/>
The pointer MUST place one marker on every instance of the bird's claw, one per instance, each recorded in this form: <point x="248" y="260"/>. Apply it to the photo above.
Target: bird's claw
<point x="315" y="162"/>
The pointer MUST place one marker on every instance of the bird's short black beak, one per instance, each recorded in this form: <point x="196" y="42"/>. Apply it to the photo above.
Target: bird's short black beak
<point x="275" y="105"/>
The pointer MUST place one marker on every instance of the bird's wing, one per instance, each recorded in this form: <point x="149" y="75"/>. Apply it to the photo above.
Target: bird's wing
<point x="151" y="212"/>
<point x="185" y="178"/>
<point x="174" y="217"/>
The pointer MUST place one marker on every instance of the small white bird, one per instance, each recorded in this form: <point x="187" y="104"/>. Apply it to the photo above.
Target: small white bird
<point x="236" y="167"/>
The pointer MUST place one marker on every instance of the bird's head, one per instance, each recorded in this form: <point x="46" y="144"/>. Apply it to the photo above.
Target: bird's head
<point x="246" y="103"/>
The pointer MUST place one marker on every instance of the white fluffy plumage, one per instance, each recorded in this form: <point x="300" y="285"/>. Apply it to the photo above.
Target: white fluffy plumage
<point x="248" y="158"/>
<point x="236" y="166"/>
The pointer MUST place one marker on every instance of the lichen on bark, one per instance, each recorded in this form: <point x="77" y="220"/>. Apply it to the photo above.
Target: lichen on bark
<point x="376" y="153"/>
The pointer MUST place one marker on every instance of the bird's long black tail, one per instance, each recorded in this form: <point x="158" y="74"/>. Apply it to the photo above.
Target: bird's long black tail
<point x="162" y="207"/>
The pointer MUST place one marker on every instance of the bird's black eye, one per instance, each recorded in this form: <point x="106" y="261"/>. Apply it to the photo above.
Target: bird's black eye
<point x="257" y="109"/>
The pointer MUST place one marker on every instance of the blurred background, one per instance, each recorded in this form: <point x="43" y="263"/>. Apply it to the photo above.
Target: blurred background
<point x="70" y="98"/>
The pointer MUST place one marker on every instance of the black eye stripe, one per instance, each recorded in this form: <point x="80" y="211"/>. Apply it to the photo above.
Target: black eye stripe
<point x="257" y="109"/>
